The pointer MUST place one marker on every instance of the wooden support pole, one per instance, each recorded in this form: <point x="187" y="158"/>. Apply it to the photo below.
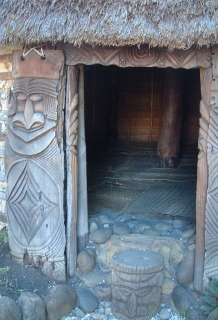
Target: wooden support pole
<point x="82" y="222"/>
<point x="113" y="99"/>
<point x="71" y="127"/>
<point x="168" y="145"/>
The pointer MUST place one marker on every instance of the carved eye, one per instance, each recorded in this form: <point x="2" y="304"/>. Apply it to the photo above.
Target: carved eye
<point x="21" y="97"/>
<point x="35" y="97"/>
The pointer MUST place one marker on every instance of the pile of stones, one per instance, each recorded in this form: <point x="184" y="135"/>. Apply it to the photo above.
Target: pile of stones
<point x="89" y="296"/>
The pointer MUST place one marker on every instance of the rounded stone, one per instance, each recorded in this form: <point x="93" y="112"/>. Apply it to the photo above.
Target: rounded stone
<point x="165" y="314"/>
<point x="9" y="310"/>
<point x="185" y="273"/>
<point x="101" y="235"/>
<point x="32" y="306"/>
<point x="151" y="232"/>
<point x="85" y="261"/>
<point x="121" y="230"/>
<point x="142" y="226"/>
<point x="93" y="226"/>
<point x="103" y="291"/>
<point x="79" y="313"/>
<point x="92" y="252"/>
<point x="87" y="301"/>
<point x="187" y="233"/>
<point x="168" y="285"/>
<point x="60" y="301"/>
<point x="182" y="299"/>
<point x="194" y="314"/>
<point x="163" y="227"/>
<point x="179" y="223"/>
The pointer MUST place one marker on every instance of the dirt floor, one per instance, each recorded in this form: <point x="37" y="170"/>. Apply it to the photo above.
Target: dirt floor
<point x="15" y="278"/>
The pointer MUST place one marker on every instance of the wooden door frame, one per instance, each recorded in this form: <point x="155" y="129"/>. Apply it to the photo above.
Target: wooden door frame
<point x="162" y="58"/>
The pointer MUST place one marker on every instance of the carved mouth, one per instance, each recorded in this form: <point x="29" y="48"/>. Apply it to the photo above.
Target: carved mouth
<point x="36" y="122"/>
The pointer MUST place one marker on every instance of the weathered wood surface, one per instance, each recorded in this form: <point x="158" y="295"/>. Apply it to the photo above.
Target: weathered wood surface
<point x="34" y="171"/>
<point x="82" y="222"/>
<point x="211" y="222"/>
<point x="168" y="145"/>
<point x="202" y="178"/>
<point x="71" y="127"/>
<point x="137" y="278"/>
<point x="137" y="57"/>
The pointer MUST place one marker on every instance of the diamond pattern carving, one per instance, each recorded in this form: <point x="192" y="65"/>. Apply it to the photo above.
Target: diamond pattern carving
<point x="29" y="205"/>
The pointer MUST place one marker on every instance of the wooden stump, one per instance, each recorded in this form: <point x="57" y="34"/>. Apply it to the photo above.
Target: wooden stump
<point x="137" y="277"/>
<point x="168" y="145"/>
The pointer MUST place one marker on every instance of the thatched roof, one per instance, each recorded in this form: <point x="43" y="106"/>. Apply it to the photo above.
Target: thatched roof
<point x="172" y="23"/>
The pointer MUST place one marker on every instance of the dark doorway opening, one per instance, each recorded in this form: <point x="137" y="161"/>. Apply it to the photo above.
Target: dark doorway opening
<point x="122" y="118"/>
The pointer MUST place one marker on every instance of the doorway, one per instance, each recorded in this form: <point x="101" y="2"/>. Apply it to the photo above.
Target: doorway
<point x="122" y="117"/>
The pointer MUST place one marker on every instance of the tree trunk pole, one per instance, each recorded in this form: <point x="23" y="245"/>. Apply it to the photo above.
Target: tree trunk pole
<point x="82" y="222"/>
<point x="168" y="145"/>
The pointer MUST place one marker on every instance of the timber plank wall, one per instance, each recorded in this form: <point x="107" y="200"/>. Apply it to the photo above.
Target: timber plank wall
<point x="135" y="103"/>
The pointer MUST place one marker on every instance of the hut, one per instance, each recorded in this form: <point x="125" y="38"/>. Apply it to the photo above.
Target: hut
<point x="44" y="48"/>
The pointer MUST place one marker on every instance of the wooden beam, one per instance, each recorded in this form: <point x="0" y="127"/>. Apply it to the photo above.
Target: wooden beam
<point x="168" y="145"/>
<point x="71" y="127"/>
<point x="82" y="223"/>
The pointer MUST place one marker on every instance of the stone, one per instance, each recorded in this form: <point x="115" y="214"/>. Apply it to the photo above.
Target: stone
<point x="60" y="301"/>
<point x="92" y="252"/>
<point x="87" y="301"/>
<point x="192" y="240"/>
<point x="168" y="285"/>
<point x="101" y="235"/>
<point x="141" y="226"/>
<point x="151" y="232"/>
<point x="93" y="226"/>
<point x="165" y="314"/>
<point x="182" y="299"/>
<point x="179" y="223"/>
<point x="120" y="230"/>
<point x="194" y="314"/>
<point x="188" y="233"/>
<point x="79" y="313"/>
<point x="102" y="291"/>
<point x="9" y="309"/>
<point x="93" y="278"/>
<point x="85" y="261"/>
<point x="105" y="219"/>
<point x="32" y="306"/>
<point x="171" y="249"/>
<point x="137" y="277"/>
<point x="163" y="227"/>
<point x="185" y="273"/>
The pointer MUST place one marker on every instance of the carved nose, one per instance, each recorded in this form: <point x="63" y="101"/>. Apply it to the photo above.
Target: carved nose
<point x="28" y="113"/>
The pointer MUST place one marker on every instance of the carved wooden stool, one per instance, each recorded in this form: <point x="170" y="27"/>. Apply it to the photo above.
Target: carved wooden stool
<point x="137" y="277"/>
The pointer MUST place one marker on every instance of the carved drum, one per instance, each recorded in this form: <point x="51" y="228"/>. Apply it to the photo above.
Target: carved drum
<point x="137" y="277"/>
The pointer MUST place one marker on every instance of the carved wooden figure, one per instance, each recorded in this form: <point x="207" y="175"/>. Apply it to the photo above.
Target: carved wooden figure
<point x="137" y="277"/>
<point x="34" y="167"/>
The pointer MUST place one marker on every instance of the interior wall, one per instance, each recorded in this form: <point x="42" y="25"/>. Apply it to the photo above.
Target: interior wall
<point x="126" y="104"/>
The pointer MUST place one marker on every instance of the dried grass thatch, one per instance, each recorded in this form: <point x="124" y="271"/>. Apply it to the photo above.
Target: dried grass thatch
<point x="172" y="23"/>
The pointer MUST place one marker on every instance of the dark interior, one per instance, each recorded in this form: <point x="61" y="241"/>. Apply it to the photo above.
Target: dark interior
<point x="122" y="116"/>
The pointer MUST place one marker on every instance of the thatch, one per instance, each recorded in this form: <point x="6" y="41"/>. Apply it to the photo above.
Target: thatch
<point x="172" y="23"/>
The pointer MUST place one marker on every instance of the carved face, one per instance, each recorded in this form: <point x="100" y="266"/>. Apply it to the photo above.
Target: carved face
<point x="32" y="112"/>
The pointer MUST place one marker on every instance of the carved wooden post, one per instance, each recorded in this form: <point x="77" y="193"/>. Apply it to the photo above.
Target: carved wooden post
<point x="202" y="180"/>
<point x="82" y="224"/>
<point x="71" y="126"/>
<point x="168" y="144"/>
<point x="113" y="98"/>
<point x="211" y="224"/>
<point x="33" y="164"/>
